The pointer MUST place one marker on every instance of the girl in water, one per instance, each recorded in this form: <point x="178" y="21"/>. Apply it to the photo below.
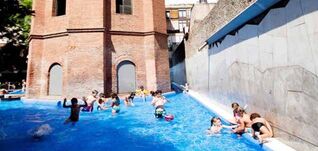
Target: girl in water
<point x="129" y="99"/>
<point x="217" y="126"/>
<point x="101" y="102"/>
<point x="90" y="101"/>
<point x="115" y="103"/>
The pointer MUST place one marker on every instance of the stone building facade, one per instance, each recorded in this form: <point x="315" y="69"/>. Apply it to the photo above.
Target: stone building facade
<point x="80" y="45"/>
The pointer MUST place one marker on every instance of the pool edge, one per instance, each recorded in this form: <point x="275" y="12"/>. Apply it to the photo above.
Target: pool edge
<point x="218" y="109"/>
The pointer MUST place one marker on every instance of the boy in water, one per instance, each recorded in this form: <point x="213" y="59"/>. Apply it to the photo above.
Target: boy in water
<point x="75" y="109"/>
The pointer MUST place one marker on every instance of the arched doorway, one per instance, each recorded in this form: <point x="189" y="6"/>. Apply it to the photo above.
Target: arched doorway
<point x="55" y="80"/>
<point x="126" y="77"/>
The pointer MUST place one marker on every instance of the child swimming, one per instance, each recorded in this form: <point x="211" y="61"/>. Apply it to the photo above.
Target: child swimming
<point x="75" y="109"/>
<point x="216" y="126"/>
<point x="115" y="103"/>
<point x="40" y="131"/>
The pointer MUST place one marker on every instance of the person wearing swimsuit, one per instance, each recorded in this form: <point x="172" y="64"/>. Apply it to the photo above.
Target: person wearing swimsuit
<point x="243" y="121"/>
<point x="75" y="110"/>
<point x="115" y="103"/>
<point x="261" y="129"/>
<point x="90" y="101"/>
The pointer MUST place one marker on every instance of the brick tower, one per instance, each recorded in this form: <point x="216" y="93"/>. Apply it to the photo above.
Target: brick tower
<point x="109" y="45"/>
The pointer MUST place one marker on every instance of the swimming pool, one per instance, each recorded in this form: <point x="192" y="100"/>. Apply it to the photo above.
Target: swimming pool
<point x="135" y="128"/>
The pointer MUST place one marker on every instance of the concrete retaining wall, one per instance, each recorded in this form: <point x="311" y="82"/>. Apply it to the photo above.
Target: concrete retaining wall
<point x="178" y="73"/>
<point x="272" y="67"/>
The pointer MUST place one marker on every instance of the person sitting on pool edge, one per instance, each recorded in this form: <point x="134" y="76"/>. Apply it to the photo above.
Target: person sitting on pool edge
<point x="75" y="109"/>
<point x="216" y="126"/>
<point x="261" y="129"/>
<point x="115" y="103"/>
<point x="90" y="101"/>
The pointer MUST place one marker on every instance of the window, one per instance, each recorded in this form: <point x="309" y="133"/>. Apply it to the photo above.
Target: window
<point x="123" y="7"/>
<point x="182" y="13"/>
<point x="167" y="14"/>
<point x="182" y="26"/>
<point x="59" y="7"/>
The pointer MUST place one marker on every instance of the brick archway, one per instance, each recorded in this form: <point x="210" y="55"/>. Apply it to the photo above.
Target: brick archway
<point x="55" y="80"/>
<point x="126" y="76"/>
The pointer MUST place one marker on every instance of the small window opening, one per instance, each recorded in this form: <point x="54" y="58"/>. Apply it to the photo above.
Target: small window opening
<point x="123" y="7"/>
<point x="59" y="7"/>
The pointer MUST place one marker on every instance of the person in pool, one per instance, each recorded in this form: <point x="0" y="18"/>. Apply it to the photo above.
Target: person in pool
<point x="159" y="92"/>
<point x="90" y="101"/>
<point x="115" y="103"/>
<point x="101" y="102"/>
<point x="129" y="99"/>
<point x="261" y="129"/>
<point x="75" y="109"/>
<point x="158" y="102"/>
<point x="142" y="92"/>
<point x="217" y="126"/>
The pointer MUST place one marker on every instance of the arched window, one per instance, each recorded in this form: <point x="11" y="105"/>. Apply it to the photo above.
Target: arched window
<point x="126" y="77"/>
<point x="59" y="7"/>
<point x="55" y="80"/>
<point x="123" y="7"/>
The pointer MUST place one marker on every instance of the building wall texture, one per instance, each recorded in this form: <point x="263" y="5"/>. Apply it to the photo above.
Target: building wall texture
<point x="272" y="67"/>
<point x="91" y="40"/>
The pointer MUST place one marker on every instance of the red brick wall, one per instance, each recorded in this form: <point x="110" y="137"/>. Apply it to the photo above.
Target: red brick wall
<point x="89" y="55"/>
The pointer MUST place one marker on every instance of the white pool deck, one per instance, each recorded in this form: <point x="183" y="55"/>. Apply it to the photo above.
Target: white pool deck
<point x="224" y="112"/>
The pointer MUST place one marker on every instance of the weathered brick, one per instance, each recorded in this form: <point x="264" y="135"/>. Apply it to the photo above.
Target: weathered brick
<point x="91" y="40"/>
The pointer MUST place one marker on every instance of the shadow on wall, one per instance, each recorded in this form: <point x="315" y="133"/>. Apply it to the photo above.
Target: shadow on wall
<point x="177" y="65"/>
<point x="287" y="96"/>
<point x="294" y="10"/>
<point x="108" y="48"/>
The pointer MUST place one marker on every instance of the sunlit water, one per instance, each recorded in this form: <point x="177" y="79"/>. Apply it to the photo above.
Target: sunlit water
<point x="134" y="128"/>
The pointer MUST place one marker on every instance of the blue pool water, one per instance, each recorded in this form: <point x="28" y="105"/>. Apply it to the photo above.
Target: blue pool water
<point x="135" y="128"/>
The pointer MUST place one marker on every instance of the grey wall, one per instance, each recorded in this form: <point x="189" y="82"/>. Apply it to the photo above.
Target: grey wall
<point x="178" y="73"/>
<point x="126" y="74"/>
<point x="56" y="81"/>
<point x="272" y="67"/>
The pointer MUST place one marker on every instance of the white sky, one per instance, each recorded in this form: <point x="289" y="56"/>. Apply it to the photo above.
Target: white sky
<point x="168" y="2"/>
